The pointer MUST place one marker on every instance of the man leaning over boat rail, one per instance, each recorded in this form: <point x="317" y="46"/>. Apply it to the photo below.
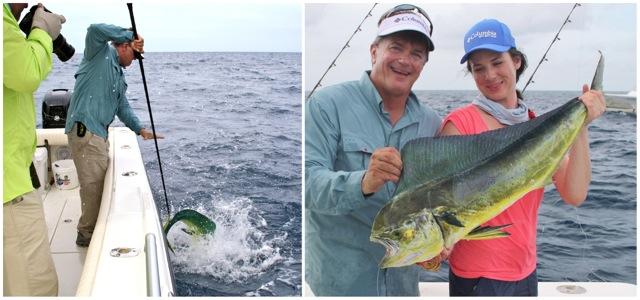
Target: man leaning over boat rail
<point x="354" y="131"/>
<point x="99" y="95"/>
<point x="28" y="268"/>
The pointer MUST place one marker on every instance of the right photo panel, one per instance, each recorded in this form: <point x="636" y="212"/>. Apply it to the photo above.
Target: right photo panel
<point x="470" y="149"/>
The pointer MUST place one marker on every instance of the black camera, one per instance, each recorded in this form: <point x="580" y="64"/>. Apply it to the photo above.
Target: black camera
<point x="61" y="48"/>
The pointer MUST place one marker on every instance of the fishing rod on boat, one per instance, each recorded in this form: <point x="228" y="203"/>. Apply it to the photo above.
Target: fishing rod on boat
<point x="555" y="38"/>
<point x="346" y="45"/>
<point x="146" y="93"/>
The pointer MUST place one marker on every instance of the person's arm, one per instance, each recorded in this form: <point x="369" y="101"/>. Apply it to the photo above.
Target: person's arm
<point x="574" y="173"/>
<point x="449" y="129"/>
<point x="26" y="61"/>
<point x="327" y="190"/>
<point x="127" y="116"/>
<point x="98" y="35"/>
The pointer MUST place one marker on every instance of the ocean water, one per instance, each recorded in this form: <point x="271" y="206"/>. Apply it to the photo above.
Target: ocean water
<point x="232" y="151"/>
<point x="595" y="242"/>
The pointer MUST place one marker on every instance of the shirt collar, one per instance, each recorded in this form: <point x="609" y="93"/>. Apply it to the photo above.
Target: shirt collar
<point x="373" y="97"/>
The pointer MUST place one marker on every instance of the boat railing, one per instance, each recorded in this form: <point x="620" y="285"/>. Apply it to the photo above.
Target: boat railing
<point x="153" y="273"/>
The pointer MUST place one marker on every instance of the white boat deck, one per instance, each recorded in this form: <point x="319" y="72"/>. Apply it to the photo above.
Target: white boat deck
<point x="545" y="289"/>
<point x="62" y="211"/>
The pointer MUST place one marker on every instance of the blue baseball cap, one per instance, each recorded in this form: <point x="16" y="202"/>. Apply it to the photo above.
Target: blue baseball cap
<point x="489" y="34"/>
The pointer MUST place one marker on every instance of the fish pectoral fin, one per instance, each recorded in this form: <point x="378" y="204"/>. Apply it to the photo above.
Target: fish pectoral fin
<point x="447" y="217"/>
<point x="487" y="232"/>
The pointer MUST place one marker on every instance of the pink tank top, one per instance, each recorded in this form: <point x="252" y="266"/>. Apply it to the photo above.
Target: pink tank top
<point x="510" y="258"/>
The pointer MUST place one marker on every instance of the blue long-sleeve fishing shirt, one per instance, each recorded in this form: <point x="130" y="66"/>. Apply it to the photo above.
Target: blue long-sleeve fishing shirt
<point x="344" y="125"/>
<point x="100" y="90"/>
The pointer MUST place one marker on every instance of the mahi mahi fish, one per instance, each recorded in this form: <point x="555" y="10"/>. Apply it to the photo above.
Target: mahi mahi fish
<point x="451" y="185"/>
<point x="197" y="223"/>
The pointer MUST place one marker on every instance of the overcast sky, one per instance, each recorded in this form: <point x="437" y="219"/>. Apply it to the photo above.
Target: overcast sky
<point x="191" y="25"/>
<point x="610" y="28"/>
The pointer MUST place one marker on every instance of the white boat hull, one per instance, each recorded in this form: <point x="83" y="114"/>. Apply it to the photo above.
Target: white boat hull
<point x="116" y="263"/>
<point x="621" y="102"/>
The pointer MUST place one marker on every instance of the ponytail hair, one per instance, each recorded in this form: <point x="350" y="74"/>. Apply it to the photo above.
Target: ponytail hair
<point x="523" y="66"/>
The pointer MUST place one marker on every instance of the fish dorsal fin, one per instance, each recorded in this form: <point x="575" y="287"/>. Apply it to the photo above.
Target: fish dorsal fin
<point x="430" y="159"/>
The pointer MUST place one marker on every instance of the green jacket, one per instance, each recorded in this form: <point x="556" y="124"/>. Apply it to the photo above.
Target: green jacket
<point x="27" y="61"/>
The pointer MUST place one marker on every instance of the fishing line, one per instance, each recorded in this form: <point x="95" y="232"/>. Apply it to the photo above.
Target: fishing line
<point x="586" y="243"/>
<point x="146" y="93"/>
<point x="346" y="45"/>
<point x="378" y="281"/>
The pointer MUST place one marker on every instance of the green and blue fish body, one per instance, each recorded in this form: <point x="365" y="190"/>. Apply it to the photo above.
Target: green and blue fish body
<point x="451" y="185"/>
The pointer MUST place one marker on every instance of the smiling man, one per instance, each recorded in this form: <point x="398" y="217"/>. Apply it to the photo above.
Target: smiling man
<point x="354" y="131"/>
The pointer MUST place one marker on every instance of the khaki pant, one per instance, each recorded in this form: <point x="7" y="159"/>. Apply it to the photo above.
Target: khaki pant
<point x="28" y="267"/>
<point x="90" y="155"/>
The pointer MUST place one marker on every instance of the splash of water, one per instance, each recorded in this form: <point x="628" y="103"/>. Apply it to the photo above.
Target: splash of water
<point x="239" y="250"/>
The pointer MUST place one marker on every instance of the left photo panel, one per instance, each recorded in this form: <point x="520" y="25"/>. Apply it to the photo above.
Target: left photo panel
<point x="152" y="149"/>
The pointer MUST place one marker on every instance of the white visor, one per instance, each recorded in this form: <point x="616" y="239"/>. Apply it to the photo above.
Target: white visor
<point x="405" y="21"/>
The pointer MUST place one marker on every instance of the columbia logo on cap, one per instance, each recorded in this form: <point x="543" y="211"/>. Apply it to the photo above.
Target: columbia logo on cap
<point x="482" y="34"/>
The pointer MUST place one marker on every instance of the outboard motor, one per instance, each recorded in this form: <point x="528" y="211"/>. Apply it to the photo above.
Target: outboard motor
<point x="54" y="108"/>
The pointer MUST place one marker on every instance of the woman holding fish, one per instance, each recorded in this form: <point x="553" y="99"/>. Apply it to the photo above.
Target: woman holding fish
<point x="507" y="266"/>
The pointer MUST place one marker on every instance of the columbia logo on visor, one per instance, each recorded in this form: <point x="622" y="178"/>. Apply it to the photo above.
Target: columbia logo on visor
<point x="482" y="34"/>
<point x="410" y="18"/>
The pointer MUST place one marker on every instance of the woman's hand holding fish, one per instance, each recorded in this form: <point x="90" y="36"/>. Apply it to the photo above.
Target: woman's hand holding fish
<point x="594" y="101"/>
<point x="385" y="165"/>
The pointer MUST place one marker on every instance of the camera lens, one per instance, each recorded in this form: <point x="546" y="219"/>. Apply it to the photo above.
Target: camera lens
<point x="62" y="49"/>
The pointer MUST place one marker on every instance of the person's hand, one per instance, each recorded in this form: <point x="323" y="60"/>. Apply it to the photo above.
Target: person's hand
<point x="138" y="44"/>
<point x="594" y="101"/>
<point x="434" y="263"/>
<point x="49" y="22"/>
<point x="148" y="135"/>
<point x="385" y="165"/>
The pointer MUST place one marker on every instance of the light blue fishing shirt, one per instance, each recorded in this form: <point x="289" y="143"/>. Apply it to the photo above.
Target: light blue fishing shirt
<point x="344" y="125"/>
<point x="100" y="90"/>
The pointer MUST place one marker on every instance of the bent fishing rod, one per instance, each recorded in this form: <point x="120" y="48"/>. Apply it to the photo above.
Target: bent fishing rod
<point x="146" y="93"/>
<point x="346" y="45"/>
<point x="555" y="38"/>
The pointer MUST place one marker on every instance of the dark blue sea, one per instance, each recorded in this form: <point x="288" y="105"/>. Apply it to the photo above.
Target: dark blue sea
<point x="232" y="151"/>
<point x="596" y="241"/>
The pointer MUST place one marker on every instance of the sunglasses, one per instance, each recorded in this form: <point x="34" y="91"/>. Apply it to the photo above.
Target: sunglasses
<point x="407" y="8"/>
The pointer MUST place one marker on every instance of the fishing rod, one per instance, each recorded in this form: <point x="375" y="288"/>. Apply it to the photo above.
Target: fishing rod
<point x="146" y="93"/>
<point x="346" y="45"/>
<point x="555" y="38"/>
